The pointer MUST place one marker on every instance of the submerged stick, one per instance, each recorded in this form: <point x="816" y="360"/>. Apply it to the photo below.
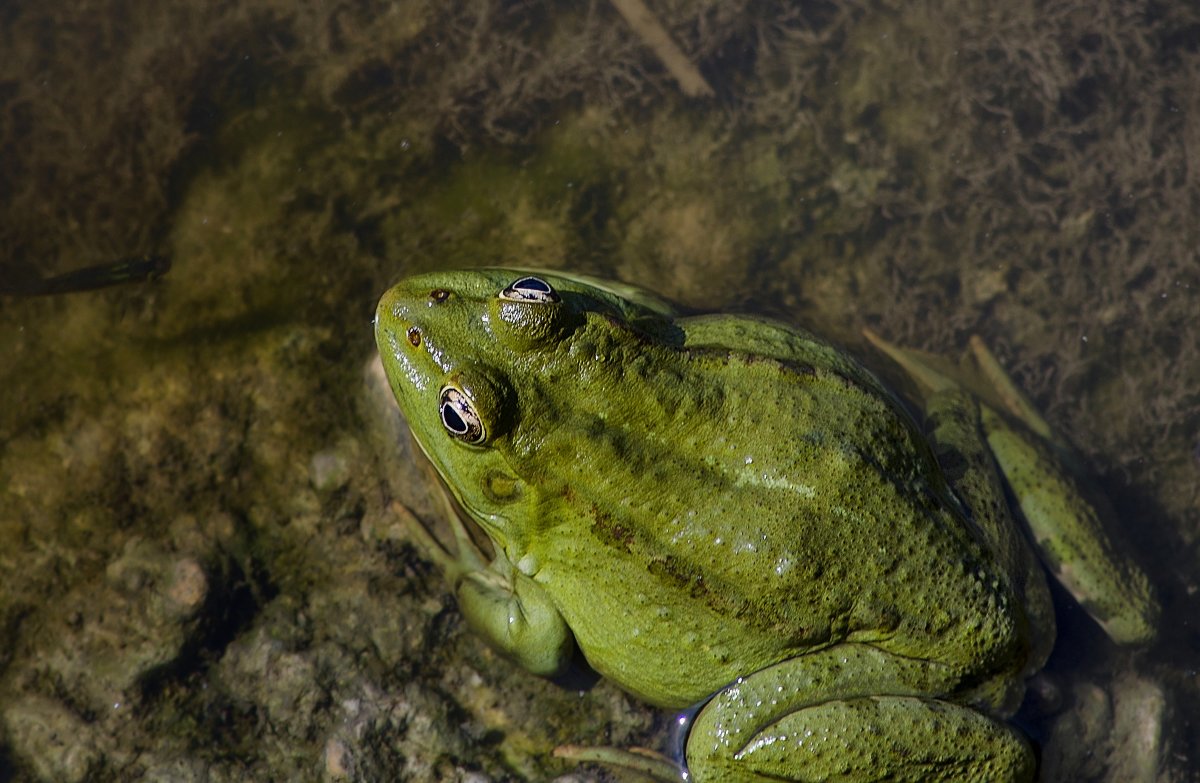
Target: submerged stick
<point x="672" y="57"/>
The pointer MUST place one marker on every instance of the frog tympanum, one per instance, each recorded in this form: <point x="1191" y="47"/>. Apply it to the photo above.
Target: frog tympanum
<point x="726" y="510"/>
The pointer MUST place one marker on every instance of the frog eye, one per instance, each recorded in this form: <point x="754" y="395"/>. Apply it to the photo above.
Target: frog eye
<point x="530" y="289"/>
<point x="460" y="418"/>
<point x="530" y="313"/>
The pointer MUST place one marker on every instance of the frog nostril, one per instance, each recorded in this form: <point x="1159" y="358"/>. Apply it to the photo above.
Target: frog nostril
<point x="414" y="337"/>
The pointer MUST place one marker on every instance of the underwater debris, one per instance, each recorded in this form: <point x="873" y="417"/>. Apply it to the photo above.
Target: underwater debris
<point x="22" y="279"/>
<point x="651" y="31"/>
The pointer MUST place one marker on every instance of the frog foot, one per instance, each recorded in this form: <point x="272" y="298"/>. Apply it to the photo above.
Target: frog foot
<point x="643" y="761"/>
<point x="504" y="606"/>
<point x="466" y="556"/>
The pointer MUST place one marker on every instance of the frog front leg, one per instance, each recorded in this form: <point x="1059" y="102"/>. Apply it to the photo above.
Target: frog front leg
<point x="855" y="713"/>
<point x="504" y="606"/>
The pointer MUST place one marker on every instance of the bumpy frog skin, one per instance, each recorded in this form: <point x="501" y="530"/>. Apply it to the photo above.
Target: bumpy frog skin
<point x="731" y="506"/>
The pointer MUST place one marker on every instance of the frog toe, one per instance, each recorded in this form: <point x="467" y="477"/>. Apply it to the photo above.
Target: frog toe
<point x="647" y="763"/>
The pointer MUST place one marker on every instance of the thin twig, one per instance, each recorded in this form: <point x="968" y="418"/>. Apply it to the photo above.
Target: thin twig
<point x="656" y="37"/>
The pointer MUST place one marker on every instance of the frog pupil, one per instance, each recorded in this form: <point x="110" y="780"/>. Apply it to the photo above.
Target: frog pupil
<point x="533" y="284"/>
<point x="452" y="420"/>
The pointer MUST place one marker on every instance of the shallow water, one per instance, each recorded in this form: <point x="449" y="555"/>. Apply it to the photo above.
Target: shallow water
<point x="202" y="574"/>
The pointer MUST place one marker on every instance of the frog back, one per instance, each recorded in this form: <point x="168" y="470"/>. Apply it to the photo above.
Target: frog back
<point x="757" y="490"/>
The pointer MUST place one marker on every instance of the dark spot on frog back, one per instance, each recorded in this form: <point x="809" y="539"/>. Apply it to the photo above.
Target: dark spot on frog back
<point x="668" y="568"/>
<point x="725" y="356"/>
<point x="671" y="569"/>
<point x="953" y="463"/>
<point x="789" y="366"/>
<point x="644" y="327"/>
<point x="610" y="531"/>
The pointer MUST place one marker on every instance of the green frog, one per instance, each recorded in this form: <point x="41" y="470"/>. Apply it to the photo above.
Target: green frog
<point x="727" y="511"/>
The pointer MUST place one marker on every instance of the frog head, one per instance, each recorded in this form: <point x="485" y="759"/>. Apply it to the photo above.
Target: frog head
<point x="479" y="360"/>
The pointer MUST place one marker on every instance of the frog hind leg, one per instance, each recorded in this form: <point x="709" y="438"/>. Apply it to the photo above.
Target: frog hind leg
<point x="1070" y="522"/>
<point x="1067" y="522"/>
<point x="853" y="713"/>
<point x="1072" y="536"/>
<point x="957" y="438"/>
<point x="925" y="739"/>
